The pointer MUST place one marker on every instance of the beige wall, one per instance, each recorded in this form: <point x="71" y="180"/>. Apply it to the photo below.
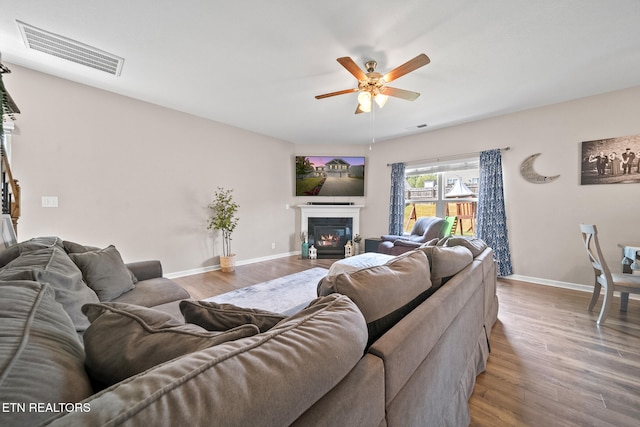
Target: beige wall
<point x="140" y="176"/>
<point x="542" y="218"/>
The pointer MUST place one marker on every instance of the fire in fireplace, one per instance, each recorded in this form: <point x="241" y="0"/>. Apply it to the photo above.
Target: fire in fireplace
<point x="331" y="238"/>
<point x="329" y="235"/>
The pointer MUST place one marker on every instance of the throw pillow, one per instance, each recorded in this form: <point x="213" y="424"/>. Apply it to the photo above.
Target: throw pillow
<point x="221" y="317"/>
<point x="77" y="248"/>
<point x="104" y="271"/>
<point x="446" y="262"/>
<point x="126" y="339"/>
<point x="385" y="293"/>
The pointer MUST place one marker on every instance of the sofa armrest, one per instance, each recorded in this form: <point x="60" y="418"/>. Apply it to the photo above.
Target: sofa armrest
<point x="393" y="237"/>
<point x="407" y="243"/>
<point x="145" y="270"/>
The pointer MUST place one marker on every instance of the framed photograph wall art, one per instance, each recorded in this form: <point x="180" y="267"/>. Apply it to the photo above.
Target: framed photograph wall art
<point x="611" y="161"/>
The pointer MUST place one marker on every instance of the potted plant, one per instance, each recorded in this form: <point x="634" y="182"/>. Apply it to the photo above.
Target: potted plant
<point x="356" y="244"/>
<point x="225" y="220"/>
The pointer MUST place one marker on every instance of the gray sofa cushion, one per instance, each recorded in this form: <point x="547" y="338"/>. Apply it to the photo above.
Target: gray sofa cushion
<point x="475" y="245"/>
<point x="384" y="293"/>
<point x="104" y="271"/>
<point x="13" y="252"/>
<point x="52" y="265"/>
<point x="358" y="262"/>
<point x="221" y="317"/>
<point x="152" y="292"/>
<point x="41" y="357"/>
<point x="446" y="261"/>
<point x="269" y="379"/>
<point x="77" y="248"/>
<point x="125" y="339"/>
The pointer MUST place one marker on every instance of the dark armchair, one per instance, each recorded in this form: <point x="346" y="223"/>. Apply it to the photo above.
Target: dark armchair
<point x="426" y="228"/>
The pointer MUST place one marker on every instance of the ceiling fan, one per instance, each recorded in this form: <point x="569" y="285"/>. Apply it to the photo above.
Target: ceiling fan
<point x="373" y="85"/>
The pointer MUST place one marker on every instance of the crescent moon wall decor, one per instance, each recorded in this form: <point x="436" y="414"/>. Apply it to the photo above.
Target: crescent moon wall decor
<point x="527" y="172"/>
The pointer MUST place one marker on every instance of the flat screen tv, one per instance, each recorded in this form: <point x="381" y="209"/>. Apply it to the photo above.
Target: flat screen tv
<point x="331" y="176"/>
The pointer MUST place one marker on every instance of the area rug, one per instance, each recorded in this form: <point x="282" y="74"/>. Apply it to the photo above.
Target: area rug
<point x="286" y="295"/>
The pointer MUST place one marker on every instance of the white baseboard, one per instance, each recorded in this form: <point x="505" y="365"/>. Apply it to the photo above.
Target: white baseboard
<point x="558" y="284"/>
<point x="201" y="270"/>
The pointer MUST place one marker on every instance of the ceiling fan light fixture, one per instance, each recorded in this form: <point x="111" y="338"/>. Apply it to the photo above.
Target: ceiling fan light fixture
<point x="373" y="85"/>
<point x="364" y="99"/>
<point x="381" y="100"/>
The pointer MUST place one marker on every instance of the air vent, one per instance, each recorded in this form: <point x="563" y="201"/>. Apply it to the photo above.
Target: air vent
<point x="71" y="50"/>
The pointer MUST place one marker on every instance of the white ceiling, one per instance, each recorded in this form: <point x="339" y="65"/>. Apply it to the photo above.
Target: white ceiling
<point x="258" y="64"/>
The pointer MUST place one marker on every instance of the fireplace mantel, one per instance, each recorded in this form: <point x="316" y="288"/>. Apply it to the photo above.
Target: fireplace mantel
<point x="330" y="211"/>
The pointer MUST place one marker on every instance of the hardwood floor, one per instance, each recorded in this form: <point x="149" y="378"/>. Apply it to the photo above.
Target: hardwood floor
<point x="550" y="364"/>
<point x="206" y="285"/>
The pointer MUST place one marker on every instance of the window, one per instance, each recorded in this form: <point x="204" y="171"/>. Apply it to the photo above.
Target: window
<point x="443" y="189"/>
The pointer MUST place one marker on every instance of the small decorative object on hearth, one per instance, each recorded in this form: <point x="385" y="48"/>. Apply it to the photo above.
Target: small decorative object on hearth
<point x="356" y="244"/>
<point x="304" y="246"/>
<point x="313" y="252"/>
<point x="225" y="220"/>
<point x="348" y="249"/>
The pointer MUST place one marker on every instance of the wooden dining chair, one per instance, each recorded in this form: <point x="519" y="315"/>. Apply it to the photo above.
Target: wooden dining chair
<point x="620" y="282"/>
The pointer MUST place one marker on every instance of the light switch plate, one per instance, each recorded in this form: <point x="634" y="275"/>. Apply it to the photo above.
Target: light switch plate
<point x="49" y="201"/>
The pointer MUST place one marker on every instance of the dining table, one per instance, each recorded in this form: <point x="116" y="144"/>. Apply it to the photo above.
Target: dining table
<point x="630" y="257"/>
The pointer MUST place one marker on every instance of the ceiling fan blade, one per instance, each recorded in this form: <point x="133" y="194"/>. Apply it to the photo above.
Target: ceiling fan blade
<point x="340" y="92"/>
<point x="352" y="67"/>
<point x="401" y="93"/>
<point x="407" y="67"/>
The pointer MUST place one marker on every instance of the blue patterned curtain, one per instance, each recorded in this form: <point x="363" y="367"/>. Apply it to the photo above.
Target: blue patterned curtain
<point x="396" y="203"/>
<point x="492" y="219"/>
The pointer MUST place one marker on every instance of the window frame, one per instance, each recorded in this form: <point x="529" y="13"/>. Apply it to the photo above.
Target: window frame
<point x="443" y="170"/>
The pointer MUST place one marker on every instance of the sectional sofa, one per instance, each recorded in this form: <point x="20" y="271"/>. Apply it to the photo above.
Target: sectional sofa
<point x="388" y="342"/>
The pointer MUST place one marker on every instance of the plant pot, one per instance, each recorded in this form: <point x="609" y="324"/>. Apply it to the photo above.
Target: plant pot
<point x="228" y="263"/>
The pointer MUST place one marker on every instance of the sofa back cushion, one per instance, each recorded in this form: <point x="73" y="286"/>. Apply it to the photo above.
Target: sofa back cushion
<point x="13" y="252"/>
<point x="474" y="244"/>
<point x="384" y="293"/>
<point x="41" y="357"/>
<point x="125" y="339"/>
<point x="268" y="379"/>
<point x="446" y="262"/>
<point x="52" y="265"/>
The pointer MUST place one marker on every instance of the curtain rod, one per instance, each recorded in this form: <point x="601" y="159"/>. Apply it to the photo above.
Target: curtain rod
<point x="452" y="157"/>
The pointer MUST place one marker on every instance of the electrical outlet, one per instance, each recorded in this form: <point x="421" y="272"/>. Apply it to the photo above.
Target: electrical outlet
<point x="273" y="246"/>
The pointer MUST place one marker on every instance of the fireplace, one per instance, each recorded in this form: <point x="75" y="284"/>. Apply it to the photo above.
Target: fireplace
<point x="329" y="235"/>
<point x="342" y="220"/>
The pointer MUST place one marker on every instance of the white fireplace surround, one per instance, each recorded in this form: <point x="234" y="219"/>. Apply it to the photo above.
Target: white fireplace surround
<point x="330" y="211"/>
